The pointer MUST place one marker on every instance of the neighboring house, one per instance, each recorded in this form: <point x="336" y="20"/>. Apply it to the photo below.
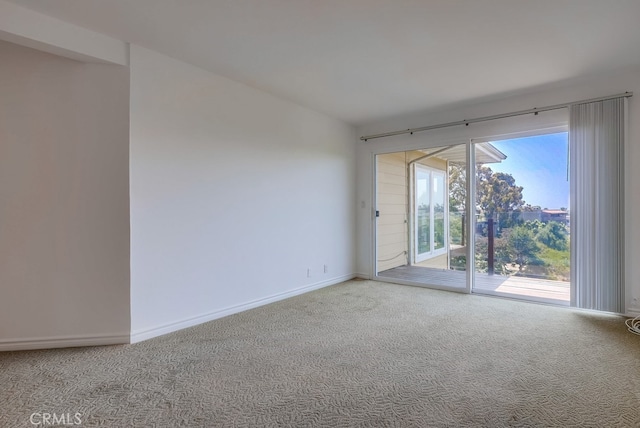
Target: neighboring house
<point x="531" y="215"/>
<point x="555" y="215"/>
<point x="413" y="204"/>
<point x="561" y="216"/>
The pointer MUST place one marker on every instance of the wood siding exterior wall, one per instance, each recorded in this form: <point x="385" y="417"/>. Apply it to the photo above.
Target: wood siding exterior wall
<point x="391" y="199"/>
<point x="393" y="248"/>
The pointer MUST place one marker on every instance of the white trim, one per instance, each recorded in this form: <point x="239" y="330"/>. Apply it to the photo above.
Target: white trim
<point x="363" y="275"/>
<point x="148" y="333"/>
<point x="633" y="312"/>
<point x="470" y="205"/>
<point x="523" y="134"/>
<point x="522" y="298"/>
<point x="479" y="132"/>
<point x="72" y="341"/>
<point x="373" y="251"/>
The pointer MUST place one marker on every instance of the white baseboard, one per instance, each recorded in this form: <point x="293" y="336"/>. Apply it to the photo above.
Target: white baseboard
<point x="363" y="275"/>
<point x="72" y="341"/>
<point x="144" y="334"/>
<point x="633" y="312"/>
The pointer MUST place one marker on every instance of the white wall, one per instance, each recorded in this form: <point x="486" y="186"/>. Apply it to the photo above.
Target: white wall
<point x="628" y="80"/>
<point x="234" y="195"/>
<point x="36" y="30"/>
<point x="64" y="216"/>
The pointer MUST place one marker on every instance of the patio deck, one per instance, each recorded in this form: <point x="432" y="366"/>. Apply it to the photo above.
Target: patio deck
<point x="540" y="290"/>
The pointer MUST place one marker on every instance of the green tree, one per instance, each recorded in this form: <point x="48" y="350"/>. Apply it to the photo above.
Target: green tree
<point x="457" y="187"/>
<point x="457" y="200"/>
<point x="497" y="192"/>
<point x="522" y="246"/>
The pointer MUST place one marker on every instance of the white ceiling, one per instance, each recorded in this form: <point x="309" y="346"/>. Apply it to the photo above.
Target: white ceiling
<point x="363" y="60"/>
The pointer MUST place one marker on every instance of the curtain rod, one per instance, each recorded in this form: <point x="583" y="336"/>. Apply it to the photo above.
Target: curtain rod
<point x="497" y="116"/>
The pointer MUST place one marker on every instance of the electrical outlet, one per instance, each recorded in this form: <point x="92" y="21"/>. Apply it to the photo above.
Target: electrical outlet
<point x="326" y="268"/>
<point x="308" y="272"/>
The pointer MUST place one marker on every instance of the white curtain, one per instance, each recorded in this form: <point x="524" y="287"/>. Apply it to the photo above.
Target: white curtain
<point x="596" y="141"/>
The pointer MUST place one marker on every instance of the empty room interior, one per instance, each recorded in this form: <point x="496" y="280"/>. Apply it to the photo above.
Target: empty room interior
<point x="319" y="213"/>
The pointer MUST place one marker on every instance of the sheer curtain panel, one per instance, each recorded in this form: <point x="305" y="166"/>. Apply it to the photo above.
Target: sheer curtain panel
<point x="596" y="141"/>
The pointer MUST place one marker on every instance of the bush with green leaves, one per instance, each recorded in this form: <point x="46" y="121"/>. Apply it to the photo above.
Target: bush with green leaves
<point x="522" y="246"/>
<point x="554" y="235"/>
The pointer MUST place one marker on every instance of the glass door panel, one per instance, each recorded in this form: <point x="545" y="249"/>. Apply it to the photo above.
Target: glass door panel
<point x="522" y="219"/>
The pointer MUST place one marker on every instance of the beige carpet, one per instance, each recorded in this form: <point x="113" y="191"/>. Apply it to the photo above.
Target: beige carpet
<point x="356" y="354"/>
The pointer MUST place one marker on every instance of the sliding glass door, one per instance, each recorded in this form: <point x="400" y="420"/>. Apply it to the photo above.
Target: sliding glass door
<point x="519" y="218"/>
<point x="498" y="216"/>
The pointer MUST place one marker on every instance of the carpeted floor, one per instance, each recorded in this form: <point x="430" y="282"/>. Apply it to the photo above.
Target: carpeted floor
<point x="360" y="353"/>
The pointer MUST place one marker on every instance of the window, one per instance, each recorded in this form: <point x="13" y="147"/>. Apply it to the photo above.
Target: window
<point x="430" y="212"/>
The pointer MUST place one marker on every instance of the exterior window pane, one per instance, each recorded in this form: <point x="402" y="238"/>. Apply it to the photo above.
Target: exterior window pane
<point x="423" y="211"/>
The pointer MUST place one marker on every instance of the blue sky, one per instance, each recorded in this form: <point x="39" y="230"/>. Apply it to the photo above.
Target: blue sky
<point x="539" y="164"/>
